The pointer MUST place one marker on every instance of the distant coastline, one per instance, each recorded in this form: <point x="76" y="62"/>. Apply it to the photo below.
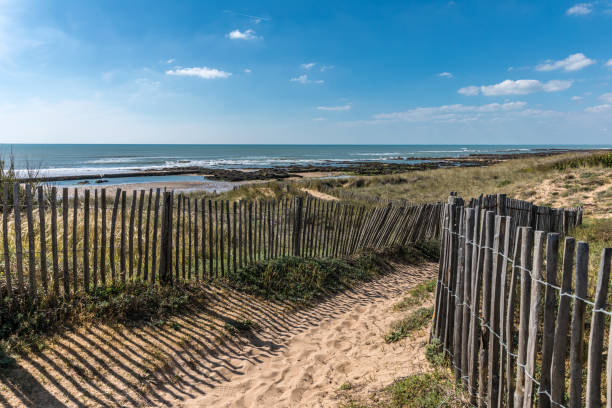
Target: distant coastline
<point x="392" y="165"/>
<point x="64" y="160"/>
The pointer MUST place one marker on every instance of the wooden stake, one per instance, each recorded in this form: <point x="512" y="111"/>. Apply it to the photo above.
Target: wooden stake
<point x="31" y="243"/>
<point x="65" y="242"/>
<point x="86" y="242"/>
<point x="43" y="241"/>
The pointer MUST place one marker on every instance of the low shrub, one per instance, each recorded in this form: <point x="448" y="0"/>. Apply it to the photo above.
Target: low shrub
<point x="403" y="328"/>
<point x="305" y="280"/>
<point x="429" y="390"/>
<point x="416" y="296"/>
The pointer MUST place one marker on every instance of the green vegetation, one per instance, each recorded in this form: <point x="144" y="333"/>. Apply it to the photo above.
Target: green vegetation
<point x="570" y="175"/>
<point x="256" y="191"/>
<point x="8" y="176"/>
<point x="434" y="354"/>
<point x="603" y="159"/>
<point x="346" y="386"/>
<point x="26" y="324"/>
<point x="305" y="280"/>
<point x="403" y="328"/>
<point x="416" y="296"/>
<point x="429" y="390"/>
<point x="508" y="177"/>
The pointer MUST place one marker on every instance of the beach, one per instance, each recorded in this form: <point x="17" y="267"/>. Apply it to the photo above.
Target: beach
<point x="219" y="168"/>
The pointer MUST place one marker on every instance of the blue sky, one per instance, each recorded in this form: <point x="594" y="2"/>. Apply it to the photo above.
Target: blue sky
<point x="314" y="72"/>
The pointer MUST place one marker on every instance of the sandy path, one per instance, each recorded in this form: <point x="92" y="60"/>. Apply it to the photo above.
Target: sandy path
<point x="319" y="195"/>
<point x="292" y="358"/>
<point x="348" y="348"/>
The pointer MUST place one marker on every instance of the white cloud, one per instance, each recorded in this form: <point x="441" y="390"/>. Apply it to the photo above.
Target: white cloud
<point x="334" y="108"/>
<point x="577" y="98"/>
<point x="518" y="87"/>
<point x="452" y="113"/>
<point x="607" y="97"/>
<point x="581" y="9"/>
<point x="574" y="62"/>
<point x="170" y="61"/>
<point x="445" y="75"/>
<point x="203" y="72"/>
<point x="308" y="65"/>
<point x="469" y="90"/>
<point x="248" y="70"/>
<point x="599" y="108"/>
<point x="303" y="79"/>
<point x="242" y="35"/>
<point x="609" y="63"/>
<point x="326" y="68"/>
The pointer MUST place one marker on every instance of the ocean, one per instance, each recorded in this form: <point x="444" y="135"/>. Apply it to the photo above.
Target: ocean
<point x="79" y="159"/>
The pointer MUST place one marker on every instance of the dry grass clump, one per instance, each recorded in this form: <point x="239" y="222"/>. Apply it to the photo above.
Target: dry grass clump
<point x="563" y="180"/>
<point x="512" y="177"/>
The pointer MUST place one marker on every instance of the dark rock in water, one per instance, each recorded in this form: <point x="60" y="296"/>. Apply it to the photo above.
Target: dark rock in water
<point x="237" y="175"/>
<point x="395" y="165"/>
<point x="83" y="182"/>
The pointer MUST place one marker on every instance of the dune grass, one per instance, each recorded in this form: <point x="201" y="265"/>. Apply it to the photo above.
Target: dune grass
<point x="305" y="280"/>
<point x="403" y="328"/>
<point x="512" y="177"/>
<point x="568" y="179"/>
<point x="416" y="296"/>
<point x="429" y="390"/>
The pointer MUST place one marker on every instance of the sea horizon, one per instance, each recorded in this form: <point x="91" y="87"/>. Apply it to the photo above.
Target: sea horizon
<point x="83" y="159"/>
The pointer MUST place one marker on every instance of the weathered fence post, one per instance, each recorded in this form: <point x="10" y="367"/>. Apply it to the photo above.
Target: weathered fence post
<point x="486" y="304"/>
<point x="496" y="304"/>
<point x="5" y="239"/>
<point x="459" y="292"/>
<point x="43" y="240"/>
<point x="550" y="304"/>
<point x="467" y="296"/>
<point x="297" y="225"/>
<point x="534" y="318"/>
<point x="526" y="262"/>
<point x="577" y="338"/>
<point x="557" y="368"/>
<point x="165" y="254"/>
<point x="595" y="361"/>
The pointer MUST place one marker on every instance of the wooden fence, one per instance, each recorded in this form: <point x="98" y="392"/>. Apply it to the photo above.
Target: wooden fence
<point x="506" y="313"/>
<point x="61" y="245"/>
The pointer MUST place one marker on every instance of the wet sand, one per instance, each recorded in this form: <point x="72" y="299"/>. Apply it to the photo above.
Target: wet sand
<point x="210" y="186"/>
<point x="178" y="186"/>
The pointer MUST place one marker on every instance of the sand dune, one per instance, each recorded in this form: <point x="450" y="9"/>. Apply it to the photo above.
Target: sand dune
<point x="319" y="195"/>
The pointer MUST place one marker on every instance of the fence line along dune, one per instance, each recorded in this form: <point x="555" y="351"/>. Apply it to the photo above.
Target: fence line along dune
<point x="506" y="313"/>
<point x="62" y="246"/>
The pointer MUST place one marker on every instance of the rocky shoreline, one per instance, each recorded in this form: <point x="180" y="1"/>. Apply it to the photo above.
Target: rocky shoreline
<point x="357" y="168"/>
